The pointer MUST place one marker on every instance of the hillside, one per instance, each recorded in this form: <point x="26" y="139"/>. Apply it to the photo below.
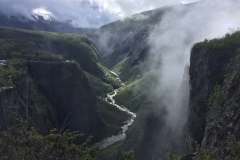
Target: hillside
<point x="51" y="90"/>
<point x="124" y="47"/>
<point x="129" y="84"/>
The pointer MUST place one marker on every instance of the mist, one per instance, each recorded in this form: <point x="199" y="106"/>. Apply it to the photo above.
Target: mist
<point x="171" y="42"/>
<point x="82" y="13"/>
<point x="125" y="8"/>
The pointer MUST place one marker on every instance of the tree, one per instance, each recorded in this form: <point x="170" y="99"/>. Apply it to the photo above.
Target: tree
<point x="128" y="155"/>
<point x="21" y="141"/>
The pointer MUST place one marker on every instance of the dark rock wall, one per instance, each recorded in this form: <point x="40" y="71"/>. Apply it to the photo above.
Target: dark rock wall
<point x="20" y="100"/>
<point x="67" y="89"/>
<point x="224" y="115"/>
<point x="210" y="117"/>
<point x="206" y="70"/>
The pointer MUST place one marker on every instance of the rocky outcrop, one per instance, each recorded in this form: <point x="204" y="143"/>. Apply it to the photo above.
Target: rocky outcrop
<point x="205" y="72"/>
<point x="224" y="112"/>
<point x="22" y="100"/>
<point x="213" y="108"/>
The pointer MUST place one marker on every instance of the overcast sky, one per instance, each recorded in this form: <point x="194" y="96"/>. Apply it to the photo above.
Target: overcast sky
<point x="85" y="13"/>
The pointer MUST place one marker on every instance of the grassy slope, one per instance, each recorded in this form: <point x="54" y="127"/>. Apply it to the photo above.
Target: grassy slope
<point x="48" y="46"/>
<point x="112" y="117"/>
<point x="139" y="21"/>
<point x="135" y="76"/>
<point x="71" y="46"/>
<point x="137" y="92"/>
<point x="53" y="47"/>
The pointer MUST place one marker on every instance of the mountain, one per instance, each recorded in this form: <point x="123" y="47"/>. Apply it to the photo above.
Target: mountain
<point x="55" y="80"/>
<point x="40" y="23"/>
<point x="124" y="47"/>
<point x="59" y="80"/>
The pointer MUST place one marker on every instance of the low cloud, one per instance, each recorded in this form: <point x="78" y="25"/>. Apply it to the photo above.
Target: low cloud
<point x="125" y="8"/>
<point x="82" y="13"/>
<point x="172" y="40"/>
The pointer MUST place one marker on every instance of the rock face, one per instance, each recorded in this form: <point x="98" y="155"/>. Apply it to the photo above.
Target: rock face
<point x="67" y="89"/>
<point x="52" y="95"/>
<point x="224" y="113"/>
<point x="214" y="92"/>
<point x="205" y="72"/>
<point x="21" y="99"/>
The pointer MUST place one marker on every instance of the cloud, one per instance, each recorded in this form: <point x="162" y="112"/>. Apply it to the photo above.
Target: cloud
<point x="82" y="13"/>
<point x="85" y="13"/>
<point x="125" y="8"/>
<point x="172" y="40"/>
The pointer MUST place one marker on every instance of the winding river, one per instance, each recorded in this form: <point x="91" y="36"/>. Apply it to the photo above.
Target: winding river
<point x="122" y="135"/>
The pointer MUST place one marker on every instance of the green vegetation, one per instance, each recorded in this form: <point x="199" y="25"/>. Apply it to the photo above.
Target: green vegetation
<point x="139" y="21"/>
<point x="174" y="157"/>
<point x="217" y="96"/>
<point x="21" y="141"/>
<point x="41" y="104"/>
<point x="24" y="43"/>
<point x="100" y="88"/>
<point x="206" y="154"/>
<point x="111" y="79"/>
<point x="234" y="148"/>
<point x="53" y="47"/>
<point x="111" y="149"/>
<point x="112" y="117"/>
<point x="129" y="73"/>
<point x="137" y="92"/>
<point x="201" y="102"/>
<point x="13" y="74"/>
<point x="128" y="155"/>
<point x="225" y="46"/>
<point x="211" y="154"/>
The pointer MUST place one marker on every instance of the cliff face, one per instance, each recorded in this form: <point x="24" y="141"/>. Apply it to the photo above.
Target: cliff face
<point x="205" y="72"/>
<point x="22" y="98"/>
<point x="51" y="95"/>
<point x="223" y="116"/>
<point x="66" y="87"/>
<point x="214" y="92"/>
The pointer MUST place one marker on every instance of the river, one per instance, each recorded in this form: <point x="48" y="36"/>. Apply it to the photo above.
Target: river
<point x="122" y="135"/>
